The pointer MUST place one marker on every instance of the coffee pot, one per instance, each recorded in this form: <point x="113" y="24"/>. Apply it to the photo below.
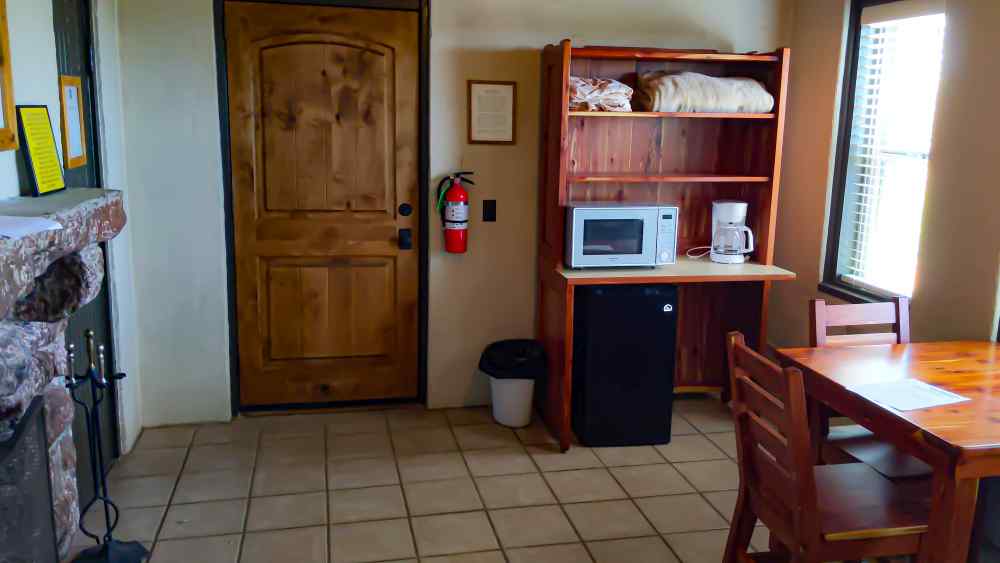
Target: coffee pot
<point x="732" y="240"/>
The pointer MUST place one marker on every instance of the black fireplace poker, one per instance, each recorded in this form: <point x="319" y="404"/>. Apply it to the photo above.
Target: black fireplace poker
<point x="108" y="549"/>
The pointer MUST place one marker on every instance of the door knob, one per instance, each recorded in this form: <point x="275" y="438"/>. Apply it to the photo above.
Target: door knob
<point x="405" y="239"/>
<point x="405" y="209"/>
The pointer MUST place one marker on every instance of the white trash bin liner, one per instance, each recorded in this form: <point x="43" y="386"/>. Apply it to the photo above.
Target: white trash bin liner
<point x="513" y="366"/>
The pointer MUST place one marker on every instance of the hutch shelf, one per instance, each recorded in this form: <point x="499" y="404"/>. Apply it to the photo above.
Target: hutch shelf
<point x="684" y="159"/>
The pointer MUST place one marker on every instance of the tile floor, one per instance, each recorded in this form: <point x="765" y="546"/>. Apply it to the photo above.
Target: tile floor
<point x="435" y="486"/>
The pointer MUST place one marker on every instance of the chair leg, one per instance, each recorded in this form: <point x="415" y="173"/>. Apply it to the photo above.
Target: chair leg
<point x="740" y="531"/>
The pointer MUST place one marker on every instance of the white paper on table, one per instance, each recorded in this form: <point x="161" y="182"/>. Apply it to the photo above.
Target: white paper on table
<point x="20" y="227"/>
<point x="907" y="394"/>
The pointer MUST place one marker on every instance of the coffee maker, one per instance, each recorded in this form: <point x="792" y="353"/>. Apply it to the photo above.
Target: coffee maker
<point x="732" y="240"/>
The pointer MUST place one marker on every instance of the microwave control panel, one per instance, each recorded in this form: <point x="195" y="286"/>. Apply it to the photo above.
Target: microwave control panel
<point x="666" y="235"/>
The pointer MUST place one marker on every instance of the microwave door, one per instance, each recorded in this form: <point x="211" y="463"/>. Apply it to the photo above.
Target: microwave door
<point x="612" y="239"/>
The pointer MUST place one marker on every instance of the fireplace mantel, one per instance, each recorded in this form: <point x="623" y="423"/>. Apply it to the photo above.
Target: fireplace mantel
<point x="44" y="279"/>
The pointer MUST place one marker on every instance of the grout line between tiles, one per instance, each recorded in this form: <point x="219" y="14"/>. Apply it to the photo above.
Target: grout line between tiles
<point x="479" y="494"/>
<point x="402" y="491"/>
<point x="246" y="506"/>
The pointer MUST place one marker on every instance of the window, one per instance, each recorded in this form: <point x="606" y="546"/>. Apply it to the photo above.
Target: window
<point x="887" y="116"/>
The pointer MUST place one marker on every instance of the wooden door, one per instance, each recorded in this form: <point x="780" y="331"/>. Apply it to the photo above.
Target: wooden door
<point x="323" y="119"/>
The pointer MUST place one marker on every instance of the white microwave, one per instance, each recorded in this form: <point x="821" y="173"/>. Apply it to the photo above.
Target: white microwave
<point x="614" y="234"/>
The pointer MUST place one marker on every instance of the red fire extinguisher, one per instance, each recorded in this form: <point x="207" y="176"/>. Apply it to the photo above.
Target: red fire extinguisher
<point x="453" y="204"/>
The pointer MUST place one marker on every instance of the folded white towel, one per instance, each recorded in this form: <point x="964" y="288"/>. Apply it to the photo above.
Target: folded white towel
<point x="694" y="92"/>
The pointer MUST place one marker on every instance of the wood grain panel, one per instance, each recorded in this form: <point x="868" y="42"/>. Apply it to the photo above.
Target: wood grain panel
<point x="337" y="309"/>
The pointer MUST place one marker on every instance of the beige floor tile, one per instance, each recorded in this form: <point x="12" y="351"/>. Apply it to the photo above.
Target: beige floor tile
<point x="358" y="446"/>
<point x="219" y="549"/>
<point x="138" y="492"/>
<point x="584" y="485"/>
<point x="628" y="455"/>
<point x="356" y="473"/>
<point x="690" y="448"/>
<point x="231" y="433"/>
<point x="287" y="511"/>
<point x="699" y="547"/>
<point x="681" y="513"/>
<point x="760" y="539"/>
<point x="276" y="428"/>
<point x="726" y="441"/>
<point x="570" y="553"/>
<point x="608" y="520"/>
<point x="293" y="450"/>
<point x="485" y="436"/>
<point x="724" y="502"/>
<point x="143" y="463"/>
<point x="437" y="497"/>
<point x="680" y="427"/>
<point x="535" y="434"/>
<point x="134" y="524"/>
<point x="721" y="475"/>
<point x="204" y="519"/>
<point x="632" y="550"/>
<point x="383" y="540"/>
<point x="201" y="486"/>
<point x="412" y="419"/>
<point x="651" y="480"/>
<point x="302" y="545"/>
<point x="508" y="491"/>
<point x="549" y="458"/>
<point x="371" y="503"/>
<point x="365" y="422"/>
<point x="482" y="557"/>
<point x="710" y="417"/>
<point x="430" y="467"/>
<point x="216" y="457"/>
<point x="470" y="415"/>
<point x="423" y="441"/>
<point x="530" y="526"/>
<point x="446" y="534"/>
<point x="504" y="461"/>
<point x="166" y="437"/>
<point x="288" y="479"/>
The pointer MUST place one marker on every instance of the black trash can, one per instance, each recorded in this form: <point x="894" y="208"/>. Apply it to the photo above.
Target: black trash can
<point x="514" y="367"/>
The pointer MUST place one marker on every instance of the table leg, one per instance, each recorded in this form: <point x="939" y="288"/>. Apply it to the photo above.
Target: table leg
<point x="953" y="511"/>
<point x="819" y="427"/>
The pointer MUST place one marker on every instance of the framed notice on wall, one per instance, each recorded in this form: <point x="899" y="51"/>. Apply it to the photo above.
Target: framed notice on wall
<point x="74" y="134"/>
<point x="8" y="123"/>
<point x="38" y="145"/>
<point x="492" y="112"/>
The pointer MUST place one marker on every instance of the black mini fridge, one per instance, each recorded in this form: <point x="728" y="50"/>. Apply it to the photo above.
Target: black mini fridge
<point x="624" y="346"/>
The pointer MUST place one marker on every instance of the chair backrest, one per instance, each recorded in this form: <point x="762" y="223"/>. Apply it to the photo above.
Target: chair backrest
<point x="823" y="316"/>
<point x="772" y="433"/>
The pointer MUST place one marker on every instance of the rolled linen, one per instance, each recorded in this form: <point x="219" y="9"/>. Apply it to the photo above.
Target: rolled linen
<point x="694" y="92"/>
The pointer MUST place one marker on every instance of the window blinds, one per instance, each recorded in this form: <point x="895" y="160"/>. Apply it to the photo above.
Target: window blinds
<point x="899" y="64"/>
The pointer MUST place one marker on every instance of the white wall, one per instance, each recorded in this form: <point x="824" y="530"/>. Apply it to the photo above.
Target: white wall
<point x="110" y="123"/>
<point x="489" y="293"/>
<point x="956" y="288"/>
<point x="174" y="174"/>
<point x="35" y="70"/>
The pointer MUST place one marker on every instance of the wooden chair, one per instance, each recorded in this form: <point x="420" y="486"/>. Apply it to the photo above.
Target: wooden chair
<point x="814" y="513"/>
<point x="854" y="443"/>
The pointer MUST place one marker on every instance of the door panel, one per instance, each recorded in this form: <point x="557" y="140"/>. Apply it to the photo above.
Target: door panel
<point x="323" y="123"/>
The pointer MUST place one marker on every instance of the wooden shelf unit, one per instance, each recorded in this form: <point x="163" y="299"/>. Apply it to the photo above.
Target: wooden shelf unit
<point x="685" y="159"/>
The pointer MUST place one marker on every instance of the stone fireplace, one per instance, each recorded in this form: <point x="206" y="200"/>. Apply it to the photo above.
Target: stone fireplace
<point x="44" y="279"/>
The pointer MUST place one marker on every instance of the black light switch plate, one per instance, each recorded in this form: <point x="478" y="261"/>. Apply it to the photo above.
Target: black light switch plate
<point x="489" y="210"/>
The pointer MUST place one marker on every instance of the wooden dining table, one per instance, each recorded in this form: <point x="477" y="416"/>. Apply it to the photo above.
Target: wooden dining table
<point x="960" y="441"/>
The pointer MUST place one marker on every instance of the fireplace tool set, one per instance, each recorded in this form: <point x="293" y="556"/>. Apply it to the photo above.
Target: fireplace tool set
<point x="108" y="549"/>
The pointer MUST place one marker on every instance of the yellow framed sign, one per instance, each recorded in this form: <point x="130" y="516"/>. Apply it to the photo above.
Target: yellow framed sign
<point x="74" y="132"/>
<point x="8" y="123"/>
<point x="38" y="145"/>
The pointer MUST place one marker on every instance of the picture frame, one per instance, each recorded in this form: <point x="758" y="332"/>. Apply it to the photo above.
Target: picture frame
<point x="38" y="145"/>
<point x="74" y="129"/>
<point x="8" y="119"/>
<point x="492" y="112"/>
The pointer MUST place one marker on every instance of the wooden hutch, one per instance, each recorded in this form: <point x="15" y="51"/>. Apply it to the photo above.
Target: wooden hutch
<point x="687" y="159"/>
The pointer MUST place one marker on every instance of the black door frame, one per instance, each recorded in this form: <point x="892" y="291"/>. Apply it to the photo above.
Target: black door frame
<point x="423" y="8"/>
